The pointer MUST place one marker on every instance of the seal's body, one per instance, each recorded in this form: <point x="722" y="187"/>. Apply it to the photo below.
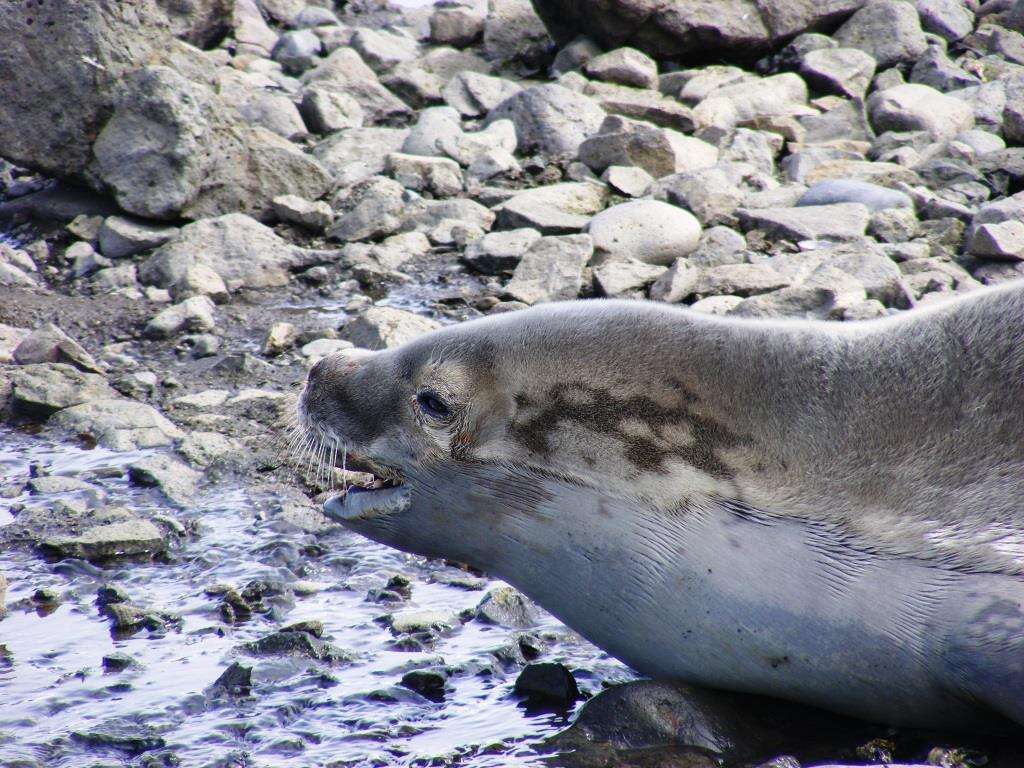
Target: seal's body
<point x="832" y="514"/>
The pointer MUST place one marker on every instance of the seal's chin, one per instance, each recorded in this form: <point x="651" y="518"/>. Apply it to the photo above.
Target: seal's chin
<point x="363" y="503"/>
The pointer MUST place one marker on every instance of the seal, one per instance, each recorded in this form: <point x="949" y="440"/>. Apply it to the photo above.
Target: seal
<point x="831" y="514"/>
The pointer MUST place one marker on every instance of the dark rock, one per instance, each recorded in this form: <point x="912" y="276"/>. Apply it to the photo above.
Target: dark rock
<point x="429" y="683"/>
<point x="506" y="607"/>
<point x="297" y="644"/>
<point x="115" y="662"/>
<point x="235" y="680"/>
<point x="49" y="344"/>
<point x="124" y="734"/>
<point x="547" y="684"/>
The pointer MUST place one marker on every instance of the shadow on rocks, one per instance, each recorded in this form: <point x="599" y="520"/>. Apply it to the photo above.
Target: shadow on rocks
<point x="672" y="725"/>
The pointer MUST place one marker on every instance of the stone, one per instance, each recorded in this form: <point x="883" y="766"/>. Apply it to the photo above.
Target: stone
<point x="935" y="69"/>
<point x="641" y="104"/>
<point x="547" y="684"/>
<point x="176" y="480"/>
<point x="888" y="30"/>
<point x="421" y="620"/>
<point x="315" y="216"/>
<point x="121" y="539"/>
<point x="1013" y="111"/>
<point x="717" y="305"/>
<point x="711" y="194"/>
<point x="297" y="51"/>
<point x="550" y="119"/>
<point x="622" y="279"/>
<point x="10" y="338"/>
<point x="874" y="197"/>
<point x="645" y="230"/>
<point x="433" y="124"/>
<point x="551" y="270"/>
<point x="659" y="151"/>
<point x="738" y="280"/>
<point x="236" y="680"/>
<point x="41" y="389"/>
<point x="893" y="225"/>
<point x="280" y="338"/>
<point x="429" y="683"/>
<point x="343" y="71"/>
<point x="120" y="425"/>
<point x="120" y="237"/>
<point x="878" y="275"/>
<point x="298" y="644"/>
<point x="355" y="154"/>
<point x="85" y="260"/>
<point x="49" y="344"/>
<point x="199" y="280"/>
<point x="456" y="25"/>
<point x="742" y="29"/>
<point x="251" y="31"/>
<point x="383" y="327"/>
<point x="327" y="111"/>
<point x="382" y="49"/>
<point x="506" y="607"/>
<point x="438" y="175"/>
<point x="552" y="210"/>
<point x="414" y="85"/>
<point x="467" y="148"/>
<point x="677" y="283"/>
<point x="474" y="95"/>
<point x="321" y="348"/>
<point x="312" y="16"/>
<point x="243" y="252"/>
<point x="498" y="252"/>
<point x="1002" y="240"/>
<point x="749" y="99"/>
<point x="914" y="107"/>
<point x="627" y="180"/>
<point x="844" y="71"/>
<point x="494" y="163"/>
<point x="123" y="279"/>
<point x="840" y="221"/>
<point x="755" y="148"/>
<point x="625" y="66"/>
<point x="719" y="245"/>
<point x="514" y="33"/>
<point x="573" y="55"/>
<point x="951" y="20"/>
<point x="370" y="209"/>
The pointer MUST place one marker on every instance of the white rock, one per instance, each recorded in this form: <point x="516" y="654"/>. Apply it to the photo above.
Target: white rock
<point x="1003" y="240"/>
<point x="316" y="216"/>
<point x="194" y="314"/>
<point x="551" y="270"/>
<point x="626" y="66"/>
<point x="553" y="210"/>
<point x="915" y="107"/>
<point x="438" y="175"/>
<point x="644" y="230"/>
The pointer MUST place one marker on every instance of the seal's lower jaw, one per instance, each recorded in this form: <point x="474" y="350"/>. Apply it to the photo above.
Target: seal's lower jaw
<point x="359" y="503"/>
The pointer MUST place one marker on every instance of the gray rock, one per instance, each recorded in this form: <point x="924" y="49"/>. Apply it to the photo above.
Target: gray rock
<point x="49" y="344"/>
<point x="120" y="425"/>
<point x="756" y="148"/>
<point x="84" y="259"/>
<point x="888" y="30"/>
<point x="316" y="216"/>
<point x="573" y="55"/>
<point x="547" y="684"/>
<point x="949" y="19"/>
<point x="120" y="539"/>
<point x="467" y="148"/>
<point x="421" y="620"/>
<point x="877" y="275"/>
<point x="553" y="210"/>
<point x="514" y="33"/>
<point x="297" y="643"/>
<point x="474" y="95"/>
<point x="297" y="51"/>
<point x="344" y="72"/>
<point x="506" y="607"/>
<point x="382" y="49"/>
<point x="415" y="85"/>
<point x="719" y="245"/>
<point x="326" y="111"/>
<point x="41" y="389"/>
<point x="383" y="327"/>
<point x="199" y="280"/>
<point x="692" y="30"/>
<point x="370" y="209"/>
<point x="457" y="25"/>
<point x="844" y="71"/>
<point x="433" y="216"/>
<point x="1002" y="240"/>
<point x="893" y="225"/>
<point x="193" y="314"/>
<point x="120" y="236"/>
<point x="677" y="283"/>
<point x="245" y="253"/>
<point x="433" y="125"/>
<point x="737" y="279"/>
<point x="874" y="197"/>
<point x="711" y="194"/>
<point x="914" y="107"/>
<point x="438" y="175"/>
<point x="175" y="479"/>
<point x="550" y="119"/>
<point x="624" y="279"/>
<point x="113" y="279"/>
<point x="641" y="104"/>
<point x="251" y="31"/>
<point x="494" y="163"/>
<point x="841" y="221"/>
<point x="314" y="16"/>
<point x="355" y="154"/>
<point x="624" y="142"/>
<point x="1013" y="111"/>
<point x="627" y="180"/>
<point x="719" y="306"/>
<point x="981" y="141"/>
<point x="625" y="66"/>
<point x="935" y="69"/>
<point x="777" y="96"/>
<point x="551" y="270"/>
<point x="644" y="230"/>
<point x="498" y="252"/>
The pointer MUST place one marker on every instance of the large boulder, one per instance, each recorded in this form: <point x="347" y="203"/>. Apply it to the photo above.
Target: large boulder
<point x="550" y="118"/>
<point x="691" y="30"/>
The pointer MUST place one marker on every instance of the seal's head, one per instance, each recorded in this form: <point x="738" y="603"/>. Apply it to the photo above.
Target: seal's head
<point x="509" y="411"/>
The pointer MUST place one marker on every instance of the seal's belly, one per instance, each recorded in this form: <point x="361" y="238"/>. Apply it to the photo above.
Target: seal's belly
<point x="771" y="606"/>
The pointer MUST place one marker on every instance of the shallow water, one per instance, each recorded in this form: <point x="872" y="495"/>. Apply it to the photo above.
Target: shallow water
<point x="300" y="712"/>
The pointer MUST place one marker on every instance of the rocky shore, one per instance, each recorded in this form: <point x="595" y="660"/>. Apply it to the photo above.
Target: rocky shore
<point x="200" y="199"/>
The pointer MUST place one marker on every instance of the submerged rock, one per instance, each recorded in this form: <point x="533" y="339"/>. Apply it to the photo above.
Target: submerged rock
<point x="120" y="539"/>
<point x="547" y="684"/>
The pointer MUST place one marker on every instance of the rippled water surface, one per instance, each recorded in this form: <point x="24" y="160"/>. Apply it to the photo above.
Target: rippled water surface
<point x="300" y="712"/>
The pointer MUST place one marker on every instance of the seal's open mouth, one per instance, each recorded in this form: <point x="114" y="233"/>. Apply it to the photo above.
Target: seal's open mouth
<point x="375" y="490"/>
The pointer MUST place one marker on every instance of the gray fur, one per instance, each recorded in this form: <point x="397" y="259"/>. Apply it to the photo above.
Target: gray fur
<point x="831" y="513"/>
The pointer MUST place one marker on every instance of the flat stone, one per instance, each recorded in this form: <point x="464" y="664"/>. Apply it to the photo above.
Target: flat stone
<point x="551" y="270"/>
<point x="1003" y="240"/>
<point x="844" y="71"/>
<point x="645" y="230"/>
<point x="49" y="344"/>
<point x="914" y="107"/>
<point x="627" y="180"/>
<point x="383" y="327"/>
<point x="949" y="19"/>
<point x="625" y="66"/>
<point x="370" y="209"/>
<point x="874" y="197"/>
<point x="432" y="125"/>
<point x="129" y="537"/>
<point x="438" y="175"/>
<point x="474" y="95"/>
<point x="421" y="620"/>
<point x="121" y="425"/>
<point x="326" y="111"/>
<point x="550" y="119"/>
<point x="841" y="221"/>
<point x="316" y="216"/>
<point x="121" y="237"/>
<point x="498" y="252"/>
<point x="41" y="389"/>
<point x="625" y="278"/>
<point x="889" y="30"/>
<point x="174" y="478"/>
<point x="677" y="283"/>
<point x="738" y="280"/>
<point x="552" y="210"/>
<point x="355" y="154"/>
<point x="194" y="314"/>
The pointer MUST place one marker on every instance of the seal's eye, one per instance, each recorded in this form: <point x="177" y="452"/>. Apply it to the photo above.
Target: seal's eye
<point x="432" y="405"/>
